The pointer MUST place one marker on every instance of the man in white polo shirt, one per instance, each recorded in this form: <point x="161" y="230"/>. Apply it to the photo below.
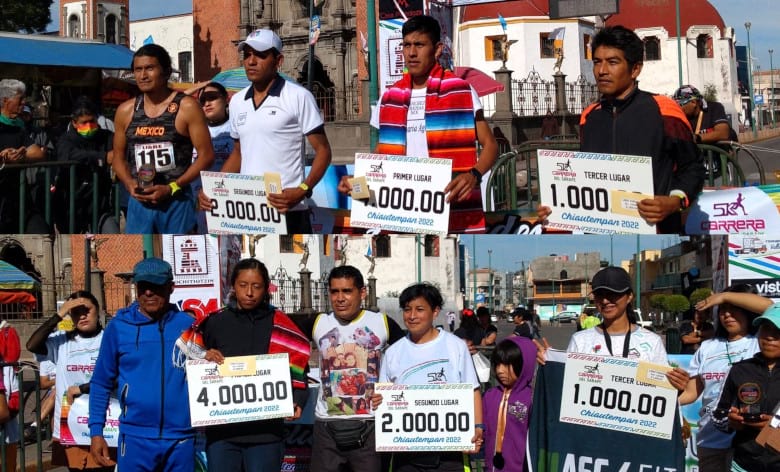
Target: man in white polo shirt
<point x="267" y="120"/>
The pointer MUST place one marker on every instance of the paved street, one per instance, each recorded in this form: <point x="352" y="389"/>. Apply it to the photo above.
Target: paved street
<point x="769" y="158"/>
<point x="558" y="336"/>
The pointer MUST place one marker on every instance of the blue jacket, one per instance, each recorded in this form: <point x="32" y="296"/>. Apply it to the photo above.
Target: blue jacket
<point x="139" y="358"/>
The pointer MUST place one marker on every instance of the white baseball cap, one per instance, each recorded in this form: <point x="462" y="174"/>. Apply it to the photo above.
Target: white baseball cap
<point x="261" y="40"/>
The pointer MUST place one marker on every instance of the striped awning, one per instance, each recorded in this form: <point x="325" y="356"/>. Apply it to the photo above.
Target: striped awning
<point x="11" y="278"/>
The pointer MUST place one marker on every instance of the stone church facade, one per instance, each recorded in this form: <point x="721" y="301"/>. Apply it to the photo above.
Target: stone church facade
<point x="221" y="25"/>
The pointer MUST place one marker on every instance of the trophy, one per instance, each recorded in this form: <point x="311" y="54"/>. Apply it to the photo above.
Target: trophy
<point x="146" y="174"/>
<point x="749" y="402"/>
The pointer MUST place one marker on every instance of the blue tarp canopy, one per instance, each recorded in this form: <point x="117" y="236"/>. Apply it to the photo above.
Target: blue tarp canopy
<point x="65" y="52"/>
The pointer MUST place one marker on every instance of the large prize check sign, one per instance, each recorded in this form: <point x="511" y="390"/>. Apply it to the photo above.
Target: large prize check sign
<point x="239" y="205"/>
<point x="605" y="392"/>
<point x="216" y="399"/>
<point x="407" y="194"/>
<point x="425" y="417"/>
<point x="595" y="193"/>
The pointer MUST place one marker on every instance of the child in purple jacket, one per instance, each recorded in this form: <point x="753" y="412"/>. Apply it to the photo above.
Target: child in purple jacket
<point x="507" y="406"/>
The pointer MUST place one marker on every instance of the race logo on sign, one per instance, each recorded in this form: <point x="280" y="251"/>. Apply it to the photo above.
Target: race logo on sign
<point x="377" y="171"/>
<point x="730" y="208"/>
<point x="731" y="219"/>
<point x="564" y="171"/>
<point x="221" y="189"/>
<point x="591" y="373"/>
<point x="397" y="400"/>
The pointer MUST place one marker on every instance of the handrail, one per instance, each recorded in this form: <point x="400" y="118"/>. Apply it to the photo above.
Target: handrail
<point x="737" y="148"/>
<point x="503" y="167"/>
<point x="730" y="172"/>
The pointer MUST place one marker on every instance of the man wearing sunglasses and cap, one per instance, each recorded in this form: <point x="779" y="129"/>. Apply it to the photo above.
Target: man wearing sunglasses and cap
<point x="267" y="121"/>
<point x="707" y="118"/>
<point x="139" y="360"/>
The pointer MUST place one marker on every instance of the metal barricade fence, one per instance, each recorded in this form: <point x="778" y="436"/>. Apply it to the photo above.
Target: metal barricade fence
<point x="514" y="179"/>
<point x="513" y="182"/>
<point x="737" y="150"/>
<point x="25" y="390"/>
<point x="43" y="184"/>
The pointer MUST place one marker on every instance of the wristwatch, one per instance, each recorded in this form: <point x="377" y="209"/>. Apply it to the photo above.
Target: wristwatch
<point x="477" y="174"/>
<point x="684" y="202"/>
<point x="306" y="189"/>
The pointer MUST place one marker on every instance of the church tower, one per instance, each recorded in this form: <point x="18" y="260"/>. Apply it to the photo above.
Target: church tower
<point x="102" y="20"/>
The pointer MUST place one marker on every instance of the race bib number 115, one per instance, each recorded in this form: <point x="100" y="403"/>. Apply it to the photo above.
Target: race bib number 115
<point x="159" y="155"/>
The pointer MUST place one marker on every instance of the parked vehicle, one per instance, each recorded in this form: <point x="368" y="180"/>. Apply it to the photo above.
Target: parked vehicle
<point x="565" y="317"/>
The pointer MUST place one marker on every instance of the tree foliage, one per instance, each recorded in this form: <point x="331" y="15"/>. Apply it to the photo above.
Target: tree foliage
<point x="657" y="301"/>
<point x="29" y="16"/>
<point x="699" y="294"/>
<point x="676" y="303"/>
<point x="710" y="93"/>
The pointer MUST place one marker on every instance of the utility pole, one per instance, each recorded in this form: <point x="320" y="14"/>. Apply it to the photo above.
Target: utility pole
<point x="760" y="92"/>
<point x="490" y="280"/>
<point x="638" y="290"/>
<point x="373" y="81"/>
<point x="679" y="44"/>
<point x="750" y="84"/>
<point x="523" y="286"/>
<point x="772" y="82"/>
<point x="419" y="258"/>
<point x="474" y="271"/>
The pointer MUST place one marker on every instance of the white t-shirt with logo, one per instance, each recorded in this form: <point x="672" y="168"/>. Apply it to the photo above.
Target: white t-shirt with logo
<point x="443" y="360"/>
<point x="416" y="141"/>
<point x="644" y="345"/>
<point x="271" y="136"/>
<point x="75" y="360"/>
<point x="711" y="363"/>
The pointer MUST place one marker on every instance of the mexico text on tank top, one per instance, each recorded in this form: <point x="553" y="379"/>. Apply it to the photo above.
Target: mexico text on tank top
<point x="155" y="141"/>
